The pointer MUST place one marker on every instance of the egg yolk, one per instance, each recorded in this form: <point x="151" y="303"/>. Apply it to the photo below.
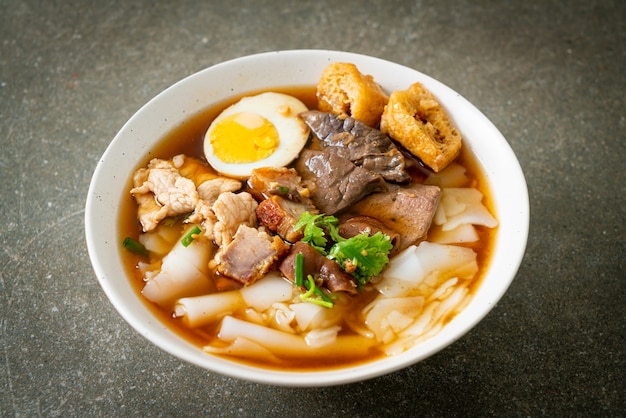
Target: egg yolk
<point x="244" y="138"/>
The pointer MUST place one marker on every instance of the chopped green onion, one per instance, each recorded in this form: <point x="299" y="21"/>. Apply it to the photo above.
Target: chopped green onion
<point x="135" y="247"/>
<point x="319" y="292"/>
<point x="311" y="288"/>
<point x="322" y="298"/>
<point x="321" y="302"/>
<point x="313" y="294"/>
<point x="299" y="270"/>
<point x="190" y="236"/>
<point x="283" y="189"/>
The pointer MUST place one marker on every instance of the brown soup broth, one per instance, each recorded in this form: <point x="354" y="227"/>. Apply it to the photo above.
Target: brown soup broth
<point x="188" y="139"/>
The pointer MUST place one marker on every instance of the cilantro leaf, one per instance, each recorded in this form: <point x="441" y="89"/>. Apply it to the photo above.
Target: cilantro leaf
<point x="363" y="256"/>
<point x="314" y="232"/>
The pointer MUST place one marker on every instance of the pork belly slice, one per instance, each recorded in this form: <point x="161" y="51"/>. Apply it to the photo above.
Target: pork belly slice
<point x="408" y="210"/>
<point x="363" y="145"/>
<point x="250" y="255"/>
<point x="280" y="215"/>
<point x="339" y="183"/>
<point x="327" y="271"/>
<point x="231" y="211"/>
<point x="277" y="181"/>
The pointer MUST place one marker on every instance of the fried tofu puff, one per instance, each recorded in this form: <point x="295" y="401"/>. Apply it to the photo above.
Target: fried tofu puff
<point x="343" y="90"/>
<point x="415" y="119"/>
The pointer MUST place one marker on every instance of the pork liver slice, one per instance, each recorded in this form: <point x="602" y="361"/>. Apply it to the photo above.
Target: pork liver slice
<point x="339" y="183"/>
<point x="364" y="146"/>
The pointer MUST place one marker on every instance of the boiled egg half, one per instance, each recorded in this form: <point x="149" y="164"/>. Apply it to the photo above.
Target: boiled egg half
<point x="258" y="131"/>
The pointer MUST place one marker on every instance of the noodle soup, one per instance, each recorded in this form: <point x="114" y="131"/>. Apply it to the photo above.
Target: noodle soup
<point x="180" y="108"/>
<point x="267" y="324"/>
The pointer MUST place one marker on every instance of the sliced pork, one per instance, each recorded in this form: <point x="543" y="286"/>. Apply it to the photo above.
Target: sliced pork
<point x="270" y="181"/>
<point x="211" y="189"/>
<point x="283" y="198"/>
<point x="408" y="210"/>
<point x="279" y="215"/>
<point x="232" y="210"/>
<point x="161" y="192"/>
<point x="250" y="255"/>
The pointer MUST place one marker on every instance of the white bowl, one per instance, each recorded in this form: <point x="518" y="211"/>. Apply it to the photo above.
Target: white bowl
<point x="295" y="68"/>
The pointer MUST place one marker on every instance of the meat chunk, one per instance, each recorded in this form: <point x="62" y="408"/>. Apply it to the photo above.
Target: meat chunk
<point x="161" y="192"/>
<point x="364" y="146"/>
<point x="367" y="225"/>
<point x="277" y="181"/>
<point x="183" y="185"/>
<point x="280" y="215"/>
<point x="327" y="271"/>
<point x="339" y="183"/>
<point x="232" y="210"/>
<point x="203" y="214"/>
<point x="250" y="255"/>
<point x="408" y="210"/>
<point x="210" y="190"/>
<point x="283" y="197"/>
<point x="149" y="212"/>
<point x="390" y="165"/>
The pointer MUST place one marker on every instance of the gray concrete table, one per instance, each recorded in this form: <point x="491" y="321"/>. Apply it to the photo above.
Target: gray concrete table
<point x="550" y="75"/>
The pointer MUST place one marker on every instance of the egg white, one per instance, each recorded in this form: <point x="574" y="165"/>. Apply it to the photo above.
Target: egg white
<point x="293" y="133"/>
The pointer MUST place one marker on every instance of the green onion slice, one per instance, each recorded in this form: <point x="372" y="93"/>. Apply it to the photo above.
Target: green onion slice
<point x="299" y="270"/>
<point x="135" y="247"/>
<point x="316" y="295"/>
<point x="190" y="236"/>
